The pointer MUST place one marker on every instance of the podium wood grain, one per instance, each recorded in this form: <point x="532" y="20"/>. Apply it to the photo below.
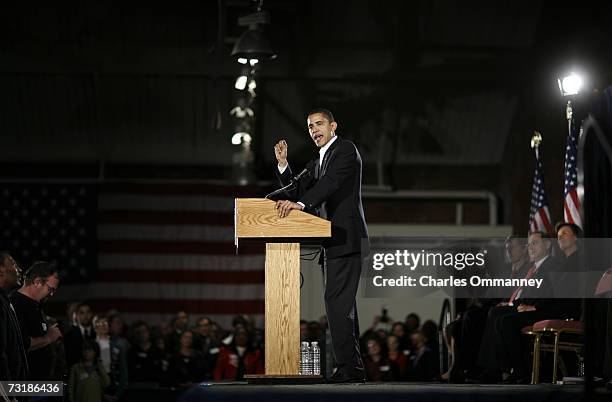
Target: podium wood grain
<point x="282" y="318"/>
<point x="257" y="218"/>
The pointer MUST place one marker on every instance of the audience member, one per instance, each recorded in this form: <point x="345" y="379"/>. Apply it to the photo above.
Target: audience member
<point x="112" y="358"/>
<point x="41" y="282"/>
<point x="187" y="365"/>
<point x="423" y="363"/>
<point x="397" y="357"/>
<point x="239" y="358"/>
<point x="74" y="338"/>
<point x="144" y="358"/>
<point x="88" y="379"/>
<point x="377" y="365"/>
<point x="13" y="360"/>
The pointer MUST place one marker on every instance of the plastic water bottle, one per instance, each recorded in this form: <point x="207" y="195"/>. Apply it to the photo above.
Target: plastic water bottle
<point x="580" y="366"/>
<point x="316" y="358"/>
<point x="305" y="368"/>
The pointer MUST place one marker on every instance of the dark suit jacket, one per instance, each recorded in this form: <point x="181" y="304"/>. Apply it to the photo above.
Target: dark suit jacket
<point x="548" y="299"/>
<point x="73" y="343"/>
<point x="333" y="191"/>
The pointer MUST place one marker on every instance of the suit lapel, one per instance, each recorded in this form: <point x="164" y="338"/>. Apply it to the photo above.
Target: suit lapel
<point x="327" y="157"/>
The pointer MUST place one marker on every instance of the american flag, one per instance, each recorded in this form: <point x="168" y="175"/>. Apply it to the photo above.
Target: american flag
<point x="539" y="217"/>
<point x="571" y="201"/>
<point x="150" y="248"/>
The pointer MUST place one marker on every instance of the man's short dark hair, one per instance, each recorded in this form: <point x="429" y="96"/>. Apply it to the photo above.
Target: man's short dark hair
<point x="575" y="228"/>
<point x="543" y="235"/>
<point x="328" y="115"/>
<point x="518" y="238"/>
<point x="3" y="256"/>
<point x="40" y="269"/>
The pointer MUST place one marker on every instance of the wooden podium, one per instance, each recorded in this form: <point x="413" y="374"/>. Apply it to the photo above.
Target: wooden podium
<point x="256" y="218"/>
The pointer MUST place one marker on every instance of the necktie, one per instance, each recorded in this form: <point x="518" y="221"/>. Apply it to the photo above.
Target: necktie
<point x="516" y="292"/>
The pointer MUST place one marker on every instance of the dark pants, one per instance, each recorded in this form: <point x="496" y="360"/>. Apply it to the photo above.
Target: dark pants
<point x="341" y="282"/>
<point x="501" y="343"/>
<point x="469" y="331"/>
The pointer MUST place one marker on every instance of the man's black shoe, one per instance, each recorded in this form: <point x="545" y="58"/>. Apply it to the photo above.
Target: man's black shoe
<point x="345" y="376"/>
<point x="517" y="377"/>
<point x="489" y="377"/>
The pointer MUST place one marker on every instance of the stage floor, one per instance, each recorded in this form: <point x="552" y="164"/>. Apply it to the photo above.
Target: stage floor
<point x="412" y="392"/>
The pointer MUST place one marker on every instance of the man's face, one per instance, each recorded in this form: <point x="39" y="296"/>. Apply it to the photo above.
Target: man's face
<point x="182" y="320"/>
<point x="116" y="326"/>
<point x="537" y="247"/>
<point x="566" y="238"/>
<point x="515" y="250"/>
<point x="84" y="315"/>
<point x="320" y="129"/>
<point x="46" y="287"/>
<point x="203" y="327"/>
<point x="11" y="272"/>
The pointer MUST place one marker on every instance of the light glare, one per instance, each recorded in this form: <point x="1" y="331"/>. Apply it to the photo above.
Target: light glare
<point x="241" y="82"/>
<point x="571" y="85"/>
<point x="239" y="137"/>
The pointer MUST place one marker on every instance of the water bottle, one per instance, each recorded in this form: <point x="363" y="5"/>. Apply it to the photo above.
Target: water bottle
<point x="580" y="366"/>
<point x="305" y="359"/>
<point x="316" y="358"/>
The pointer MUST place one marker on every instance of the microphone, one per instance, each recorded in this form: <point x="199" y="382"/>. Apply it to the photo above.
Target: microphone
<point x="297" y="177"/>
<point x="305" y="172"/>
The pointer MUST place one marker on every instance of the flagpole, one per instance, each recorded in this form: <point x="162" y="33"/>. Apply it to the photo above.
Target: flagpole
<point x="536" y="140"/>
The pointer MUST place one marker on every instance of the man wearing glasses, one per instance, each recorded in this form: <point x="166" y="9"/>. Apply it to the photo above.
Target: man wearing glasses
<point x="40" y="282"/>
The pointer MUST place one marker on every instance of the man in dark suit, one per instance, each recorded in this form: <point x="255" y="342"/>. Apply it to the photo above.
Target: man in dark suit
<point x="500" y="350"/>
<point x="333" y="191"/>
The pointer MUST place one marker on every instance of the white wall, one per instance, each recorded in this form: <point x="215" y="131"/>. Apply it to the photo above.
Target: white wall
<point x="312" y="306"/>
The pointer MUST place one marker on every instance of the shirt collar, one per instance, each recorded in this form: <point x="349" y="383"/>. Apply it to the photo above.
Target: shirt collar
<point x="539" y="262"/>
<point x="325" y="148"/>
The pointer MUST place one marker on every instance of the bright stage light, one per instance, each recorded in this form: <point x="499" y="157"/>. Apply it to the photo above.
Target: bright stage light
<point x="238" y="138"/>
<point x="571" y="84"/>
<point x="241" y="82"/>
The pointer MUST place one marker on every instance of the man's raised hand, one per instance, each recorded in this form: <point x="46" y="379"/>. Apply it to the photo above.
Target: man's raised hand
<point x="280" y="150"/>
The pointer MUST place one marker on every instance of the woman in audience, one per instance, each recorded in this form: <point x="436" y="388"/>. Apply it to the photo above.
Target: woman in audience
<point x="398" y="357"/>
<point x="240" y="357"/>
<point x="187" y="365"/>
<point x="378" y="367"/>
<point x="145" y="360"/>
<point x="113" y="358"/>
<point x="88" y="379"/>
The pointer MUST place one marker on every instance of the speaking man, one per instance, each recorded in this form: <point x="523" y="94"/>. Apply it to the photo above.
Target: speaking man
<point x="332" y="190"/>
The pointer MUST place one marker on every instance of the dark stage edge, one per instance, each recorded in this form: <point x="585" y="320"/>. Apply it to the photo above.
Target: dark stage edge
<point x="389" y="392"/>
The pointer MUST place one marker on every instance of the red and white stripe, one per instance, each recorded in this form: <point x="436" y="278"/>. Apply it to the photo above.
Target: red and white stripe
<point x="541" y="221"/>
<point x="163" y="248"/>
<point x="572" y="208"/>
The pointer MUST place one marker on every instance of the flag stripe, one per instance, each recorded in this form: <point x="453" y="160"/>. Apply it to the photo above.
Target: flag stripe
<point x="181" y="276"/>
<point x="210" y="262"/>
<point x="169" y="306"/>
<point x="169" y="203"/>
<point x="164" y="189"/>
<point x="545" y="217"/>
<point x="175" y="247"/>
<point x="166" y="232"/>
<point x="128" y="216"/>
<point x="567" y="215"/>
<point x="161" y="291"/>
